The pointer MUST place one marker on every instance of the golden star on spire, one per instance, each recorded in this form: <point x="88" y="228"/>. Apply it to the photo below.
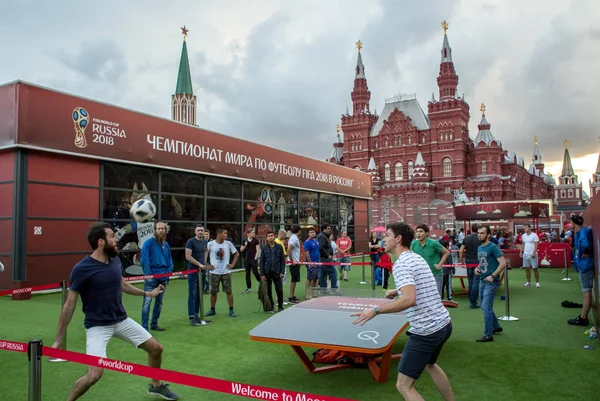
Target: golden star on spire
<point x="444" y="26"/>
<point x="482" y="109"/>
<point x="359" y="45"/>
<point x="566" y="143"/>
<point x="535" y="139"/>
<point x="184" y="32"/>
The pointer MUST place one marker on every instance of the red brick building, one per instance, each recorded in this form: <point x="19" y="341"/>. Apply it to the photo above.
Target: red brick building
<point x="424" y="163"/>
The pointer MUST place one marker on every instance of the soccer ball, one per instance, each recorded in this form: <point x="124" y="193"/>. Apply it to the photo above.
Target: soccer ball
<point x="143" y="210"/>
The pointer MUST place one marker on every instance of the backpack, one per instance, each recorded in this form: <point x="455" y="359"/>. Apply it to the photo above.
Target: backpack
<point x="263" y="296"/>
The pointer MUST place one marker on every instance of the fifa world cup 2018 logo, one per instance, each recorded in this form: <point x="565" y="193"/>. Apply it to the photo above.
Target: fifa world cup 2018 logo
<point x="80" y="121"/>
<point x="267" y="197"/>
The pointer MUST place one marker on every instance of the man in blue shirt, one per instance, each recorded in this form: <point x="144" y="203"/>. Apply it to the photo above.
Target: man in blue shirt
<point x="491" y="264"/>
<point x="583" y="245"/>
<point x="155" y="259"/>
<point x="312" y="254"/>
<point x="98" y="278"/>
<point x="195" y="250"/>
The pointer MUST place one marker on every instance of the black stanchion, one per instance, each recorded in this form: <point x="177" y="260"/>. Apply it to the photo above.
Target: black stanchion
<point x="363" y="270"/>
<point x="508" y="317"/>
<point x="201" y="289"/>
<point x="34" y="354"/>
<point x="373" y="275"/>
<point x="65" y="294"/>
<point x="566" y="267"/>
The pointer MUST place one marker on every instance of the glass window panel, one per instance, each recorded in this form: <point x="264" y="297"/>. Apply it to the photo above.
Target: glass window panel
<point x="116" y="204"/>
<point x="124" y="176"/>
<point x="223" y="210"/>
<point x="223" y="188"/>
<point x="308" y="216"/>
<point x="309" y="199"/>
<point x="260" y="231"/>
<point x="289" y="213"/>
<point x="258" y="192"/>
<point x="330" y="201"/>
<point x="290" y="195"/>
<point x="177" y="207"/>
<point x="178" y="233"/>
<point x="179" y="262"/>
<point x="329" y="216"/>
<point x="182" y="183"/>
<point x="256" y="212"/>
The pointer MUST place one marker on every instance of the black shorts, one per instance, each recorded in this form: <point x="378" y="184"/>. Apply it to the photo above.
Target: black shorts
<point x="421" y="351"/>
<point x="295" y="273"/>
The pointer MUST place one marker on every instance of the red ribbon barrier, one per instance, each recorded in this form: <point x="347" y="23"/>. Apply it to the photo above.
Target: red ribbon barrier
<point x="31" y="289"/>
<point x="330" y="263"/>
<point x="186" y="379"/>
<point x="162" y="275"/>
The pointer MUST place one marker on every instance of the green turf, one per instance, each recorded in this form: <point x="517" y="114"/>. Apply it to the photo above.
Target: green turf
<point x="539" y="357"/>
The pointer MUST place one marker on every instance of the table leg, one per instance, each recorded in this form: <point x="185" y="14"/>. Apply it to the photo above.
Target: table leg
<point x="310" y="366"/>
<point x="380" y="366"/>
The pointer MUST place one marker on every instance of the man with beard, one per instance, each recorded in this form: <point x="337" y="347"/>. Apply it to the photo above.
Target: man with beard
<point x="155" y="259"/>
<point x="272" y="266"/>
<point x="430" y="323"/>
<point x="98" y="278"/>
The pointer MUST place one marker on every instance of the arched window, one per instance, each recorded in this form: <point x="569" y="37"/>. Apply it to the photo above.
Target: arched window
<point x="353" y="147"/>
<point x="450" y="135"/>
<point x="563" y="193"/>
<point x="484" y="167"/>
<point x="410" y="169"/>
<point x="386" y="169"/>
<point x="570" y="193"/>
<point x="417" y="216"/>
<point x="386" y="142"/>
<point x="376" y="144"/>
<point x="409" y="140"/>
<point x="447" y="167"/>
<point x="360" y="146"/>
<point x="400" y="141"/>
<point x="398" y="171"/>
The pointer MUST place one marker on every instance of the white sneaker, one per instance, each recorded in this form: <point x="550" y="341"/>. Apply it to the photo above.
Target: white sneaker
<point x="527" y="285"/>
<point x="537" y="285"/>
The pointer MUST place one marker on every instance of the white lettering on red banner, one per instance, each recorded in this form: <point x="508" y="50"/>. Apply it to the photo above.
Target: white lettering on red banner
<point x="117" y="365"/>
<point x="204" y="152"/>
<point x="12" y="346"/>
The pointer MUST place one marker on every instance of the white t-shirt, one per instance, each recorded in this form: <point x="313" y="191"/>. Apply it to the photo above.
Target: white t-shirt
<point x="220" y="256"/>
<point x="529" y="243"/>
<point x="429" y="314"/>
<point x="295" y="242"/>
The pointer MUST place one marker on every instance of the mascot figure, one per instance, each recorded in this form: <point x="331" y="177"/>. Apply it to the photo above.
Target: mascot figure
<point x="142" y="211"/>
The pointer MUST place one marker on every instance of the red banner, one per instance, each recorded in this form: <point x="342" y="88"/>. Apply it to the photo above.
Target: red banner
<point x="68" y="124"/>
<point x="186" y="379"/>
<point x="52" y="286"/>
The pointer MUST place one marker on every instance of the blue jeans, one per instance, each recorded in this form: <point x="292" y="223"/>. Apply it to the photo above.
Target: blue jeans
<point x="487" y="293"/>
<point x="149" y="285"/>
<point x="473" y="286"/>
<point x="193" y="295"/>
<point x="328" y="271"/>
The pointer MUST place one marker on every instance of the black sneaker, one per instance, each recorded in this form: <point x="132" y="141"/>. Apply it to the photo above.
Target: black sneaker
<point x="485" y="339"/>
<point x="579" y="321"/>
<point x="157" y="328"/>
<point x="162" y="391"/>
<point x="194" y="321"/>
<point x="498" y="330"/>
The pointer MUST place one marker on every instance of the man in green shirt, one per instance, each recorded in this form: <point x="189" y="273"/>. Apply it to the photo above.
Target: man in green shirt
<point x="433" y="252"/>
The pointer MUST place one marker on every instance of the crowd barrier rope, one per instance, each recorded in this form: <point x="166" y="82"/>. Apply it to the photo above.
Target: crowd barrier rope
<point x="36" y="350"/>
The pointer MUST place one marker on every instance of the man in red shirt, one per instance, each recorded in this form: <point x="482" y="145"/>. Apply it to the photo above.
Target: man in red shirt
<point x="344" y="244"/>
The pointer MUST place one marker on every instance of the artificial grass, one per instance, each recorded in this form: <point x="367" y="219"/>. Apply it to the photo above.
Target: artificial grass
<point x="539" y="357"/>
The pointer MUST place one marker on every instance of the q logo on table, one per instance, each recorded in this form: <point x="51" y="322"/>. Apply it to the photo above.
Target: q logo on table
<point x="368" y="335"/>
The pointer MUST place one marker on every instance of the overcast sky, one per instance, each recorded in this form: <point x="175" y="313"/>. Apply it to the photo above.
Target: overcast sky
<point x="282" y="71"/>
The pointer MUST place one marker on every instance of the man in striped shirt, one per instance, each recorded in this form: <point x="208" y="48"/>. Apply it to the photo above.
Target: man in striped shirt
<point x="422" y="306"/>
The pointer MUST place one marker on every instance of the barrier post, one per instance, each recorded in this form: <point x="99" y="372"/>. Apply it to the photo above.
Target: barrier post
<point x="566" y="266"/>
<point x="34" y="354"/>
<point x="363" y="270"/>
<point x="201" y="289"/>
<point x="508" y="317"/>
<point x="373" y="267"/>
<point x="64" y="295"/>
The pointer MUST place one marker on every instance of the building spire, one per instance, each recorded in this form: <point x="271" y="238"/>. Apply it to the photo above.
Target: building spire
<point x="184" y="77"/>
<point x="484" y="134"/>
<point x="447" y="79"/>
<point x="183" y="101"/>
<point x="567" y="170"/>
<point x="360" y="94"/>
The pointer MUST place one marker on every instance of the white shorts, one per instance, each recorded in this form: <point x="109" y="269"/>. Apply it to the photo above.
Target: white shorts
<point x="530" y="260"/>
<point x="97" y="338"/>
